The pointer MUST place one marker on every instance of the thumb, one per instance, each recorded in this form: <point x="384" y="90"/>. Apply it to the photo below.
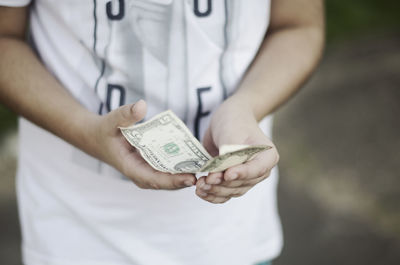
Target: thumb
<point x="128" y="115"/>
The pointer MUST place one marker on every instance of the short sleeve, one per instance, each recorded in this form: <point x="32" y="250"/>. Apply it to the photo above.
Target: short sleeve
<point x="14" y="3"/>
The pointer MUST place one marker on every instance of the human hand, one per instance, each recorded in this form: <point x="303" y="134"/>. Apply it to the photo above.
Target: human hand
<point x="234" y="123"/>
<point x="112" y="148"/>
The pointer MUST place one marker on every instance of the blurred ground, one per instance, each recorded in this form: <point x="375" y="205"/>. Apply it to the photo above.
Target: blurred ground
<point x="9" y="225"/>
<point x="340" y="159"/>
<point x="340" y="151"/>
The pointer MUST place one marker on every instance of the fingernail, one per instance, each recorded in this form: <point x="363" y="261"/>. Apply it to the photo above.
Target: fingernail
<point x="188" y="183"/>
<point x="206" y="187"/>
<point x="233" y="176"/>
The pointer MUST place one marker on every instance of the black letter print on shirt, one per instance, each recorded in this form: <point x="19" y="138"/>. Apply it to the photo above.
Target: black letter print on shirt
<point x="204" y="13"/>
<point x="200" y="112"/>
<point x="121" y="10"/>
<point x="113" y="91"/>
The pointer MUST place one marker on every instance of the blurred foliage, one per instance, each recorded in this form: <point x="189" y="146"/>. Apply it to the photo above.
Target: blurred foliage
<point x="345" y="20"/>
<point x="8" y="120"/>
<point x="349" y="19"/>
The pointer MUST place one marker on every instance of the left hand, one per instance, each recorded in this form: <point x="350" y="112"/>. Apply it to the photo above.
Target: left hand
<point x="234" y="123"/>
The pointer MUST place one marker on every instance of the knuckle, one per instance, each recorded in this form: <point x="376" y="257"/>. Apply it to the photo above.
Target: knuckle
<point x="236" y="194"/>
<point x="141" y="185"/>
<point x="242" y="174"/>
<point x="227" y="199"/>
<point x="214" y="189"/>
<point x="254" y="182"/>
<point x="201" y="194"/>
<point x="261" y="172"/>
<point x="260" y="179"/>
<point x="125" y="112"/>
<point x="240" y="192"/>
<point x="217" y="191"/>
<point x="222" y="200"/>
<point x="210" y="198"/>
<point x="178" y="183"/>
<point x="154" y="185"/>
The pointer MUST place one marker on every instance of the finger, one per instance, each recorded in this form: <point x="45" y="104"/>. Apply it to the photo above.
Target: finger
<point x="254" y="168"/>
<point x="245" y="182"/>
<point x="144" y="176"/>
<point x="166" y="181"/>
<point x="201" y="184"/>
<point x="211" y="198"/>
<point x="214" y="178"/>
<point x="128" y="115"/>
<point x="221" y="191"/>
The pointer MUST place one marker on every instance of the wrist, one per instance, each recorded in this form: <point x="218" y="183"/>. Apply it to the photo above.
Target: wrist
<point x="232" y="121"/>
<point x="255" y="102"/>
<point x="86" y="132"/>
<point x="243" y="102"/>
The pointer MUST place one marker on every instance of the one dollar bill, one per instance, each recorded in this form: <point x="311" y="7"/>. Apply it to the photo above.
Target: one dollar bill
<point x="168" y="146"/>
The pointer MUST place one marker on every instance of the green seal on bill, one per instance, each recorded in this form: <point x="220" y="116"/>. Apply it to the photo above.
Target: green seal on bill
<point x="171" y="148"/>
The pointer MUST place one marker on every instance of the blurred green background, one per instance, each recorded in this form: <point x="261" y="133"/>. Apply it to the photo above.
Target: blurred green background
<point x="350" y="19"/>
<point x="8" y="120"/>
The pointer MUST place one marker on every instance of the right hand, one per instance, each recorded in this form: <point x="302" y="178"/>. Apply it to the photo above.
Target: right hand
<point x="112" y="148"/>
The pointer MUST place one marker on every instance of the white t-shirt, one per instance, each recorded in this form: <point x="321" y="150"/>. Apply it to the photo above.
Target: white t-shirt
<point x="184" y="55"/>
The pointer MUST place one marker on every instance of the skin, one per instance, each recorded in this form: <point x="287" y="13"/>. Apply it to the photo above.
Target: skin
<point x="286" y="58"/>
<point x="290" y="52"/>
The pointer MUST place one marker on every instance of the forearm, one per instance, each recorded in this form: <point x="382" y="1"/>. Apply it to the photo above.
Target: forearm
<point x="30" y="90"/>
<point x="286" y="59"/>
